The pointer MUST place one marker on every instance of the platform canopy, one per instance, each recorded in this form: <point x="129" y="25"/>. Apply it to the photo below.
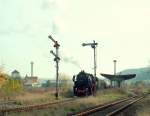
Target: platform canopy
<point x="118" y="77"/>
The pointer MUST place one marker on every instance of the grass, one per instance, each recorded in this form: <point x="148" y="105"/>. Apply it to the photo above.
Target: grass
<point x="82" y="103"/>
<point x="144" y="107"/>
<point x="100" y="98"/>
<point x="32" y="98"/>
<point x="144" y="112"/>
<point x="36" y="98"/>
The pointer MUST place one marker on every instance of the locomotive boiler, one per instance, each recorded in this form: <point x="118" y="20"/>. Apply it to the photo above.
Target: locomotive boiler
<point x="84" y="84"/>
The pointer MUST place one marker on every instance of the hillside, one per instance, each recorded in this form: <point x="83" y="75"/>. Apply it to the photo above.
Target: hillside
<point x="142" y="74"/>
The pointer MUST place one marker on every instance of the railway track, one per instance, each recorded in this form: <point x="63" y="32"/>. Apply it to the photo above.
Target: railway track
<point x="110" y="109"/>
<point x="8" y="102"/>
<point x="33" y="107"/>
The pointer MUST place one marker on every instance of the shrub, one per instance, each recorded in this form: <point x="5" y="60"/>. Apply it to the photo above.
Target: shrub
<point x="12" y="86"/>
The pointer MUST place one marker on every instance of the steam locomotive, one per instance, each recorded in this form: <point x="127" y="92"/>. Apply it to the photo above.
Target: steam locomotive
<point x="84" y="84"/>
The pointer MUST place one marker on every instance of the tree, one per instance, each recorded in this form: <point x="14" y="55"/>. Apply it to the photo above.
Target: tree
<point x="12" y="86"/>
<point x="65" y="82"/>
<point x="3" y="77"/>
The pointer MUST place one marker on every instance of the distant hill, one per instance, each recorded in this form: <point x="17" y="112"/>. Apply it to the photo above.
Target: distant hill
<point x="142" y="74"/>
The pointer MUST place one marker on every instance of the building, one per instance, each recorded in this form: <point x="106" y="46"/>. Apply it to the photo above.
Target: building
<point x="31" y="81"/>
<point x="15" y="75"/>
<point x="116" y="80"/>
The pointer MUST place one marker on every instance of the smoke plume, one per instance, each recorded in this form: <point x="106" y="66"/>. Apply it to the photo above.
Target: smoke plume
<point x="72" y="61"/>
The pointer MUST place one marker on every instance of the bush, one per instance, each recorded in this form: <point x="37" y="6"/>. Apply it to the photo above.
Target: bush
<point x="11" y="87"/>
<point x="3" y="78"/>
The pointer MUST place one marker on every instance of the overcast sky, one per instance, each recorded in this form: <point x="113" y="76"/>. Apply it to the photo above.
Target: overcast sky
<point x="121" y="28"/>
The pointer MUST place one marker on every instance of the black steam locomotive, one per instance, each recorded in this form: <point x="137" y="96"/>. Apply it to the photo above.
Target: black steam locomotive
<point x="84" y="84"/>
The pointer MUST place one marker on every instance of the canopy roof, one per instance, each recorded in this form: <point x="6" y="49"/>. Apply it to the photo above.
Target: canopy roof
<point x="118" y="77"/>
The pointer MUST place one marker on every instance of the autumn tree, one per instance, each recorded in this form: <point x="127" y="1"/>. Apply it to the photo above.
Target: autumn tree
<point x="65" y="84"/>
<point x="11" y="85"/>
<point x="3" y="77"/>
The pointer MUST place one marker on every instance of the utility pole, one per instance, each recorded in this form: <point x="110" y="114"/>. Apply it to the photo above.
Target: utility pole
<point x="115" y="61"/>
<point x="115" y="83"/>
<point x="56" y="59"/>
<point x="93" y="45"/>
<point x="32" y="68"/>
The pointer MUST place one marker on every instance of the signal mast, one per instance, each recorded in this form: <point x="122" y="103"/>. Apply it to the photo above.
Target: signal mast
<point x="56" y="59"/>
<point x="93" y="46"/>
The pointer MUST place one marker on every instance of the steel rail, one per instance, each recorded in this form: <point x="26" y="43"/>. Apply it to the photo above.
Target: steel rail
<point x="124" y="107"/>
<point x="38" y="106"/>
<point x="7" y="102"/>
<point x="102" y="108"/>
<point x="97" y="108"/>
